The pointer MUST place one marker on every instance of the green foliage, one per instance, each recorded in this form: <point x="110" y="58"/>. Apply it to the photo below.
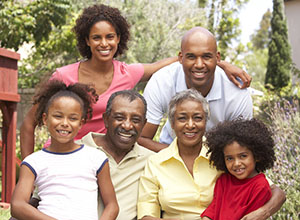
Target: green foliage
<point x="280" y="110"/>
<point x="279" y="63"/>
<point x="261" y="37"/>
<point x="29" y="22"/>
<point x="223" y="22"/>
<point x="60" y="49"/>
<point x="285" y="118"/>
<point x="256" y="65"/>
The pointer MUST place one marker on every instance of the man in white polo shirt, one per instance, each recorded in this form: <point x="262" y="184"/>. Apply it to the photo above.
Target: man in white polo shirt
<point x="197" y="68"/>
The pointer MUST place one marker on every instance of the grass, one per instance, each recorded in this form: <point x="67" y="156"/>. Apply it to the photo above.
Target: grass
<point x="4" y="214"/>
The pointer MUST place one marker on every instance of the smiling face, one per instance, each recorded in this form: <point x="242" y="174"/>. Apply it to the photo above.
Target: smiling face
<point x="124" y="123"/>
<point x="63" y="123"/>
<point x="103" y="41"/>
<point x="189" y="124"/>
<point x="239" y="161"/>
<point x="199" y="58"/>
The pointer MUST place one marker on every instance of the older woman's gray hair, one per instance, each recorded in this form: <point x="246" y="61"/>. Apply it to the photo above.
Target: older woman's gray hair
<point x="189" y="94"/>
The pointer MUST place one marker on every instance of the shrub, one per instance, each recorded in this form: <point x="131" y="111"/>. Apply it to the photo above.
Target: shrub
<point x="285" y="122"/>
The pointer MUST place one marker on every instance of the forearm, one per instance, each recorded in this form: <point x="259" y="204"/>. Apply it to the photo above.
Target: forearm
<point x="276" y="201"/>
<point x="24" y="211"/>
<point x="111" y="211"/>
<point x="26" y="139"/>
<point x="151" y="144"/>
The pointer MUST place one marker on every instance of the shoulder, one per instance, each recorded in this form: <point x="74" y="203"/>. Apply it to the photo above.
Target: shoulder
<point x="161" y="156"/>
<point x="168" y="79"/>
<point x="94" y="152"/>
<point x="167" y="73"/>
<point x="68" y="74"/>
<point x="142" y="151"/>
<point x="68" y="68"/>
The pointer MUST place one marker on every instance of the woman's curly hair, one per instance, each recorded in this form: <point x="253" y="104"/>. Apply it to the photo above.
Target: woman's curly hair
<point x="94" y="14"/>
<point x="54" y="89"/>
<point x="252" y="134"/>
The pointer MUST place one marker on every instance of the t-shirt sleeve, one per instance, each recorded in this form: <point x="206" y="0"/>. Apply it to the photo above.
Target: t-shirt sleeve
<point x="259" y="196"/>
<point x="148" y="203"/>
<point x="154" y="96"/>
<point x="99" y="159"/>
<point x="136" y="71"/>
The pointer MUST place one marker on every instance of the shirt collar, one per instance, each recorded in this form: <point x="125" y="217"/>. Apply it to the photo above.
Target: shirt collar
<point x="172" y="152"/>
<point x="88" y="139"/>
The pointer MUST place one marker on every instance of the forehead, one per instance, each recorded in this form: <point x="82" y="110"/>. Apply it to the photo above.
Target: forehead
<point x="235" y="148"/>
<point x="102" y="26"/>
<point x="189" y="105"/>
<point x="199" y="43"/>
<point x="63" y="101"/>
<point x="124" y="105"/>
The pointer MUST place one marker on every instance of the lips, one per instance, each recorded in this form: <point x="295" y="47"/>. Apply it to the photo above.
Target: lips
<point x="63" y="132"/>
<point x="190" y="134"/>
<point x="239" y="171"/>
<point x="104" y="52"/>
<point x="199" y="74"/>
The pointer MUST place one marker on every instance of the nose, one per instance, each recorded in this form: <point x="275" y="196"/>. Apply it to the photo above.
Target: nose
<point x="199" y="62"/>
<point x="103" y="42"/>
<point x="237" y="162"/>
<point x="127" y="125"/>
<point x="190" y="123"/>
<point x="65" y="122"/>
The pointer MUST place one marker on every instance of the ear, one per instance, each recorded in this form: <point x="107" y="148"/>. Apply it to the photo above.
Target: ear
<point x="44" y="117"/>
<point x="105" y="119"/>
<point x="218" y="56"/>
<point x="82" y="122"/>
<point x="118" y="38"/>
<point x="180" y="55"/>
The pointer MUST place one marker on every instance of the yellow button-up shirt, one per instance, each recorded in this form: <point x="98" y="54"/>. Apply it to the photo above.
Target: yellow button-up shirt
<point x="125" y="176"/>
<point x="167" y="185"/>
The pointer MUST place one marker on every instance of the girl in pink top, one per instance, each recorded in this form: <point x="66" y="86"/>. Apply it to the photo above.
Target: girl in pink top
<point x="242" y="149"/>
<point x="102" y="34"/>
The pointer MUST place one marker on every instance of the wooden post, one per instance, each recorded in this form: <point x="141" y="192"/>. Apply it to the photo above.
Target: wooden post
<point x="9" y="98"/>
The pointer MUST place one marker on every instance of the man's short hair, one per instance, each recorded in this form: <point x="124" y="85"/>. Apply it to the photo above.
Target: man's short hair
<point x="131" y="95"/>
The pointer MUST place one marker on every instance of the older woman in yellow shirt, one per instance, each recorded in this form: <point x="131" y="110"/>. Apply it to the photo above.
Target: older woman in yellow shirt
<point x="178" y="182"/>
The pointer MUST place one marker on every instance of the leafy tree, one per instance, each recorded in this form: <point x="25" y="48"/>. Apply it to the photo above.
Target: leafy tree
<point x="29" y="22"/>
<point x="261" y="37"/>
<point x="223" y="21"/>
<point x="156" y="30"/>
<point x="279" y="62"/>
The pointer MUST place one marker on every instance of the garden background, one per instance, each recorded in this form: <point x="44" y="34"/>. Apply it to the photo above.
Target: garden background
<point x="41" y="32"/>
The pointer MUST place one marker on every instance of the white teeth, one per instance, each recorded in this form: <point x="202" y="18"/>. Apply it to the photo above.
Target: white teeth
<point x="104" y="52"/>
<point x="125" y="135"/>
<point x="198" y="73"/>
<point x="189" y="134"/>
<point x="64" y="132"/>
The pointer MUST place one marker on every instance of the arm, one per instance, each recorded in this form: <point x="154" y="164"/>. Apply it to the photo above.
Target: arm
<point x="108" y="195"/>
<point x="232" y="72"/>
<point x="20" y="207"/>
<point x="27" y="133"/>
<point x="151" y="68"/>
<point x="272" y="206"/>
<point x="146" y="137"/>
